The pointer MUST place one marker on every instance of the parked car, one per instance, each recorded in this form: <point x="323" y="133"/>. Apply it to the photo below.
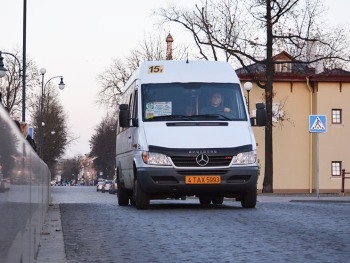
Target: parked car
<point x="5" y="185"/>
<point x="106" y="186"/>
<point x="100" y="185"/>
<point x="114" y="187"/>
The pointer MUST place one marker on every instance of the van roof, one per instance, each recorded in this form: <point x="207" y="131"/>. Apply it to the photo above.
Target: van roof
<point x="172" y="71"/>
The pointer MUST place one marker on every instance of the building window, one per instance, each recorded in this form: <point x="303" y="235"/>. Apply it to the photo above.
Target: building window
<point x="336" y="168"/>
<point x="283" y="67"/>
<point x="336" y="116"/>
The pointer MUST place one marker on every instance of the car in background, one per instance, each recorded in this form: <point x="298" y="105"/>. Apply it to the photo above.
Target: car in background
<point x="114" y="187"/>
<point x="100" y="185"/>
<point x="106" y="186"/>
<point x="4" y="184"/>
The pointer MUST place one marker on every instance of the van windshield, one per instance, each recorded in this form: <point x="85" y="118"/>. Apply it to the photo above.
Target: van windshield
<point x="192" y="101"/>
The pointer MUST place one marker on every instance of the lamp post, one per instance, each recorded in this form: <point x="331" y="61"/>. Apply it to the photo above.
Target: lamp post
<point x="20" y="74"/>
<point x="24" y="58"/>
<point x="61" y="86"/>
<point x="248" y="86"/>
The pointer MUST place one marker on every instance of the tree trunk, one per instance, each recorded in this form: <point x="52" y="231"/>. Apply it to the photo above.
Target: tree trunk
<point x="268" y="176"/>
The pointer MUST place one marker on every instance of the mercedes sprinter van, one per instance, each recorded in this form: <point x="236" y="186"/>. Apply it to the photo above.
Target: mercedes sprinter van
<point x="184" y="130"/>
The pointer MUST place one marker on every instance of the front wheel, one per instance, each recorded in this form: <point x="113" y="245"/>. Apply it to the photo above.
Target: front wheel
<point x="249" y="199"/>
<point x="141" y="198"/>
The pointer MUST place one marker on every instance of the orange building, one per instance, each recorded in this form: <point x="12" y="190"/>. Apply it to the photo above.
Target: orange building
<point x="302" y="163"/>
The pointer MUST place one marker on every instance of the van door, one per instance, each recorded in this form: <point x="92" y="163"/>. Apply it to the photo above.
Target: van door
<point x="125" y="150"/>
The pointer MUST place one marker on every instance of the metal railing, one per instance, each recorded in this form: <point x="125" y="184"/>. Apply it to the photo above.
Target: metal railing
<point x="343" y="177"/>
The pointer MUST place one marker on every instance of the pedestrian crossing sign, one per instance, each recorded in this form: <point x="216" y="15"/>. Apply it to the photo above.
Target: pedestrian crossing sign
<point x="317" y="123"/>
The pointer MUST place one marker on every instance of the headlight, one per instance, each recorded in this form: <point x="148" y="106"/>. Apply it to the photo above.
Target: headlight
<point x="152" y="158"/>
<point x="245" y="158"/>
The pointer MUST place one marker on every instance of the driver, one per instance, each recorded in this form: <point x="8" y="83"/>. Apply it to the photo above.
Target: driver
<point x="216" y="105"/>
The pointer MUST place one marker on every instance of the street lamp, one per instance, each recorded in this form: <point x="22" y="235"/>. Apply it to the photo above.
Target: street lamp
<point x="61" y="86"/>
<point x="2" y="67"/>
<point x="248" y="86"/>
<point x="20" y="73"/>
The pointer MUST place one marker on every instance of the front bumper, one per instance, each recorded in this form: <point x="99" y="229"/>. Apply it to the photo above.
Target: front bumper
<point x="162" y="181"/>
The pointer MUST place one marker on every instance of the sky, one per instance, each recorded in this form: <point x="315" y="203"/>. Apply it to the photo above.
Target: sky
<point x="79" y="38"/>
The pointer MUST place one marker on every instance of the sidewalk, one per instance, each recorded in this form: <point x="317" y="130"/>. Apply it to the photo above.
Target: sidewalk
<point x="52" y="243"/>
<point x="303" y="198"/>
<point x="51" y="248"/>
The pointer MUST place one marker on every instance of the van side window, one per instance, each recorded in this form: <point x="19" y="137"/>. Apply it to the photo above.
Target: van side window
<point x="134" y="106"/>
<point x="131" y="106"/>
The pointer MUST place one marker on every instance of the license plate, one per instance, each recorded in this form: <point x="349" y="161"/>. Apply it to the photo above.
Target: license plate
<point x="213" y="179"/>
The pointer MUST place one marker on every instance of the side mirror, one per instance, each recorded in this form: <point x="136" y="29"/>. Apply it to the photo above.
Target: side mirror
<point x="124" y="115"/>
<point x="260" y="114"/>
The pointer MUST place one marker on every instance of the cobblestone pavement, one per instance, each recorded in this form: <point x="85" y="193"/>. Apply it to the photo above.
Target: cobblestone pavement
<point x="96" y="229"/>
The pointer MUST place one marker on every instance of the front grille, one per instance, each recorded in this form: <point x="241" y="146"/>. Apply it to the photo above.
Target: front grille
<point x="201" y="172"/>
<point x="190" y="161"/>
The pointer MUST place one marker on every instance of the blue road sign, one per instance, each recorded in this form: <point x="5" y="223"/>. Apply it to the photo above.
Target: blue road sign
<point x="317" y="123"/>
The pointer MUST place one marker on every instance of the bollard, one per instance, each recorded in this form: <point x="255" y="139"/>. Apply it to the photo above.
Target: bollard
<point x="342" y="180"/>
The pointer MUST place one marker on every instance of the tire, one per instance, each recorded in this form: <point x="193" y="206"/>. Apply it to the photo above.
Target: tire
<point x="205" y="200"/>
<point x="217" y="200"/>
<point x="123" y="193"/>
<point x="123" y="196"/>
<point x="141" y="198"/>
<point x="249" y="199"/>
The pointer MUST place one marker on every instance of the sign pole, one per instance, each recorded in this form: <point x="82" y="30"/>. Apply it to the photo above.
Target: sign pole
<point x="317" y="167"/>
<point x="317" y="124"/>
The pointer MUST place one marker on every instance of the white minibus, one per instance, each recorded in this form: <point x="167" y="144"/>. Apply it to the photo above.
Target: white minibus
<point x="184" y="131"/>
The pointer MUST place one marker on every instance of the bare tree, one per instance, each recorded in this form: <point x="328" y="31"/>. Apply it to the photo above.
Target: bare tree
<point x="11" y="88"/>
<point x="246" y="32"/>
<point x="55" y="131"/>
<point x="113" y="79"/>
<point x="103" y="144"/>
<point x="71" y="168"/>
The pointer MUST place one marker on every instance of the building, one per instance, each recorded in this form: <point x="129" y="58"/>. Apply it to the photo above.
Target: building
<point x="303" y="163"/>
<point x="87" y="173"/>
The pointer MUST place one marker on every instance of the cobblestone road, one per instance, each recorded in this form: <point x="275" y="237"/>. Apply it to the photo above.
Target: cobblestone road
<point x="96" y="229"/>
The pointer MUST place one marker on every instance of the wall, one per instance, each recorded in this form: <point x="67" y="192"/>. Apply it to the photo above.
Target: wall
<point x="334" y="144"/>
<point x="24" y="194"/>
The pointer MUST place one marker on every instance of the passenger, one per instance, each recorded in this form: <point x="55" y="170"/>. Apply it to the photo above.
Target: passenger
<point x="25" y="132"/>
<point x="216" y="105"/>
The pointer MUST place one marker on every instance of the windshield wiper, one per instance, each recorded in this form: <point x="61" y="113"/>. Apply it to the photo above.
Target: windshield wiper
<point x="216" y="116"/>
<point x="172" y="117"/>
<point x="190" y="118"/>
